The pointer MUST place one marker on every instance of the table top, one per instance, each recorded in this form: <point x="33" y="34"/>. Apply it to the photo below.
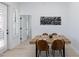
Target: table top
<point x="49" y="40"/>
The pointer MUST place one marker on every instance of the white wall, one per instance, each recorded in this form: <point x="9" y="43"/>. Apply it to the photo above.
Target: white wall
<point x="14" y="34"/>
<point x="73" y="26"/>
<point x="45" y="9"/>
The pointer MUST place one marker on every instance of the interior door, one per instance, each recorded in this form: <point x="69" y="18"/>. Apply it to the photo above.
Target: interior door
<point x="25" y="27"/>
<point x="3" y="27"/>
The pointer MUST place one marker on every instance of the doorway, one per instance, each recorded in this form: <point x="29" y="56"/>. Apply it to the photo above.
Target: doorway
<point x="25" y="27"/>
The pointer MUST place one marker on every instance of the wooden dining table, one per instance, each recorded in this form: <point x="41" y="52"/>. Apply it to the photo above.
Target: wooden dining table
<point x="50" y="40"/>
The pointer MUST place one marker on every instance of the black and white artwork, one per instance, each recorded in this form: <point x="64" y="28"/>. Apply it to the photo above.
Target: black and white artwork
<point x="50" y="20"/>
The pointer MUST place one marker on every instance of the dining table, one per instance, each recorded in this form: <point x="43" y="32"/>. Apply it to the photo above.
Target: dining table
<point x="50" y="40"/>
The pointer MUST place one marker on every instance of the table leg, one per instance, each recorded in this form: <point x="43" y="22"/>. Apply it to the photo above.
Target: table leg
<point x="64" y="51"/>
<point x="36" y="51"/>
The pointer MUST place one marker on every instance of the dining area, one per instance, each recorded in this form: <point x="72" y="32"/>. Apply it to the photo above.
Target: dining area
<point x="54" y="42"/>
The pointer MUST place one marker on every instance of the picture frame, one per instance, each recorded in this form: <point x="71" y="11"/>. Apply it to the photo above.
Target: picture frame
<point x="44" y="20"/>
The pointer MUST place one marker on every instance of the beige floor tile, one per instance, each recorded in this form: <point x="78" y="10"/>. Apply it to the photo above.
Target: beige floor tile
<point x="28" y="50"/>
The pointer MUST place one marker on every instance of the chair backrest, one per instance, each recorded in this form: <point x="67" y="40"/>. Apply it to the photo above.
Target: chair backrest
<point x="58" y="44"/>
<point x="42" y="45"/>
<point x="54" y="33"/>
<point x="44" y="34"/>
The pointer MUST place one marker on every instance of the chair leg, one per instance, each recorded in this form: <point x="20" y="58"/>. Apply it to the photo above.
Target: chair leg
<point x="40" y="52"/>
<point x="46" y="53"/>
<point x="60" y="51"/>
<point x="53" y="52"/>
<point x="37" y="53"/>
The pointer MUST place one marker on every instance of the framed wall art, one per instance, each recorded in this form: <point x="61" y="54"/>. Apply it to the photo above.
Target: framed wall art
<point x="50" y="20"/>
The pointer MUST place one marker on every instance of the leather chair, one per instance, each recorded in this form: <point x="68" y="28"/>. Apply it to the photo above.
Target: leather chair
<point x="44" y="34"/>
<point x="42" y="45"/>
<point x="57" y="45"/>
<point x="54" y="33"/>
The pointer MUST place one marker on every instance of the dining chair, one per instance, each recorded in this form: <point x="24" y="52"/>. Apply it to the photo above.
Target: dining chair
<point x="42" y="45"/>
<point x="57" y="45"/>
<point x="54" y="33"/>
<point x="45" y="34"/>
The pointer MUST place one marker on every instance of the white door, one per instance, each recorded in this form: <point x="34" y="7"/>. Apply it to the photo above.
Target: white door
<point x="24" y="27"/>
<point x="3" y="27"/>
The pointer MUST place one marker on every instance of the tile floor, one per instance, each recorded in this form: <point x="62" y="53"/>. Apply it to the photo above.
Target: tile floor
<point x="28" y="50"/>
